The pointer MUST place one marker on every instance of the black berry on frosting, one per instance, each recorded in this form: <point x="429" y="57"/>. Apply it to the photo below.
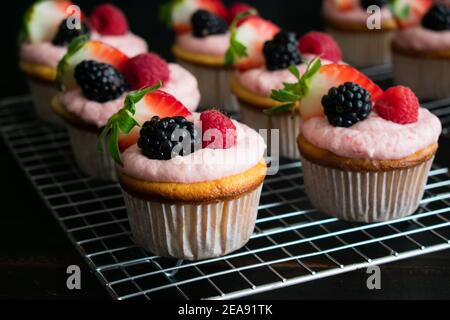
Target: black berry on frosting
<point x="66" y="33"/>
<point x="100" y="82"/>
<point x="347" y="104"/>
<point x="437" y="18"/>
<point x="367" y="3"/>
<point x="205" y="23"/>
<point x="157" y="134"/>
<point x="282" y="51"/>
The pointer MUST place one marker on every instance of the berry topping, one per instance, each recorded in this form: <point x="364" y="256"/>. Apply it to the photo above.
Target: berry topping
<point x="66" y="33"/>
<point x="398" y="104"/>
<point x="146" y="70"/>
<point x="409" y="12"/>
<point x="107" y="19"/>
<point x="345" y="5"/>
<point x="282" y="51"/>
<point x="320" y="44"/>
<point x="437" y="18"/>
<point x="100" y="82"/>
<point x="238" y="8"/>
<point x="219" y="132"/>
<point x="379" y="3"/>
<point x="164" y="139"/>
<point x="248" y="36"/>
<point x="205" y="23"/>
<point x="346" y="105"/>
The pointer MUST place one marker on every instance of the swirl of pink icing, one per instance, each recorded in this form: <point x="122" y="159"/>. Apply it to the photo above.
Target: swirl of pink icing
<point x="374" y="138"/>
<point x="356" y="15"/>
<point x="181" y="85"/>
<point x="201" y="166"/>
<point x="421" y="39"/>
<point x="214" y="45"/>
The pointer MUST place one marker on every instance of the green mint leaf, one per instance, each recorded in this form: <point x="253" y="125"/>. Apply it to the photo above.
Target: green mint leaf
<point x="284" y="96"/>
<point x="237" y="49"/>
<point x="283" y="108"/>
<point x="125" y="121"/>
<point x="294" y="70"/>
<point x="113" y="146"/>
<point x="76" y="45"/>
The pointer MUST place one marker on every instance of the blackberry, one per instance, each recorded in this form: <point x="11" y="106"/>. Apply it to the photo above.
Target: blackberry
<point x="282" y="51"/>
<point x="157" y="134"/>
<point x="347" y="104"/>
<point x="100" y="82"/>
<point x="65" y="35"/>
<point x="205" y="23"/>
<point x="437" y="18"/>
<point x="367" y="3"/>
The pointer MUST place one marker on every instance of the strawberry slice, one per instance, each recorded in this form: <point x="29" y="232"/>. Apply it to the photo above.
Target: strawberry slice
<point x="345" y="5"/>
<point x="156" y="103"/>
<point x="328" y="76"/>
<point x="81" y="49"/>
<point x="238" y="8"/>
<point x="410" y="12"/>
<point x="252" y="34"/>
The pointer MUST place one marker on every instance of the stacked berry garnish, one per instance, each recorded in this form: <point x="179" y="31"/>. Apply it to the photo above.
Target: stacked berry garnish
<point x="160" y="137"/>
<point x="379" y="3"/>
<point x="205" y="23"/>
<point x="347" y="105"/>
<point x="68" y="32"/>
<point x="437" y="18"/>
<point x="282" y="51"/>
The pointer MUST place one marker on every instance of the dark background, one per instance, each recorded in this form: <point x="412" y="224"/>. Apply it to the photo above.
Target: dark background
<point x="34" y="252"/>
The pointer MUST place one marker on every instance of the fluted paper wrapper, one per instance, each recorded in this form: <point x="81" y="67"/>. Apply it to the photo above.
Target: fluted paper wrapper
<point x="42" y="94"/>
<point x="289" y="127"/>
<point x="364" y="49"/>
<point x="214" y="86"/>
<point x="415" y="73"/>
<point x="193" y="232"/>
<point x="91" y="161"/>
<point x="365" y="196"/>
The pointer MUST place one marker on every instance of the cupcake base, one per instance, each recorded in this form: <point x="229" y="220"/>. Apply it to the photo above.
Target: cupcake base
<point x="42" y="93"/>
<point x="193" y="231"/>
<point x="414" y="72"/>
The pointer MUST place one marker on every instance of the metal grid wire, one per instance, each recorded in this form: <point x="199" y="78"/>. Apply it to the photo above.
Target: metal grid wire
<point x="293" y="243"/>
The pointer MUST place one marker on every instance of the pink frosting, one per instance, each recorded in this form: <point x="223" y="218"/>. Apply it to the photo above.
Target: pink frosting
<point x="374" y="138"/>
<point x="43" y="53"/>
<point x="201" y="166"/>
<point x="356" y="15"/>
<point x="182" y="85"/>
<point x="130" y="44"/>
<point x="215" y="45"/>
<point x="421" y="39"/>
<point x="262" y="81"/>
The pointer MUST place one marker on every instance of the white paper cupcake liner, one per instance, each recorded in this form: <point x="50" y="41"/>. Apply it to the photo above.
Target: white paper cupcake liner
<point x="193" y="232"/>
<point x="214" y="86"/>
<point x="91" y="161"/>
<point x="415" y="73"/>
<point x="364" y="49"/>
<point x="42" y="94"/>
<point x="289" y="128"/>
<point x="365" y="196"/>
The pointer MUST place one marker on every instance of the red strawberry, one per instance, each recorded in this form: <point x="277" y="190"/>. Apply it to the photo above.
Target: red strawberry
<point x="345" y="5"/>
<point x="328" y="76"/>
<point x="156" y="103"/>
<point x="219" y="132"/>
<point x="107" y="19"/>
<point x="253" y="33"/>
<point x="237" y="8"/>
<point x="320" y="44"/>
<point x="414" y="10"/>
<point x="146" y="70"/>
<point x="398" y="104"/>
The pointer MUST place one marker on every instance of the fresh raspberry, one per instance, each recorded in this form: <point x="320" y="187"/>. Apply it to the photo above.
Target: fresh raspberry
<point x="213" y="120"/>
<point x="237" y="8"/>
<point x="107" y="19"/>
<point x="146" y="70"/>
<point x="322" y="44"/>
<point x="398" y="104"/>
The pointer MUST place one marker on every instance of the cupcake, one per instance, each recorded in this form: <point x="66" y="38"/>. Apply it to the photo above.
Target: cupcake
<point x="422" y="51"/>
<point x="191" y="182"/>
<point x="202" y="38"/>
<point x="366" y="154"/>
<point x="94" y="79"/>
<point x="46" y="32"/>
<point x="253" y="88"/>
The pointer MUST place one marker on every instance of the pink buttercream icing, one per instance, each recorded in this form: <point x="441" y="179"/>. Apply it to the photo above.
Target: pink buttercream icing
<point x="130" y="44"/>
<point x="356" y="15"/>
<point x="201" y="166"/>
<point x="215" y="45"/>
<point x="421" y="39"/>
<point x="374" y="138"/>
<point x="182" y="85"/>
